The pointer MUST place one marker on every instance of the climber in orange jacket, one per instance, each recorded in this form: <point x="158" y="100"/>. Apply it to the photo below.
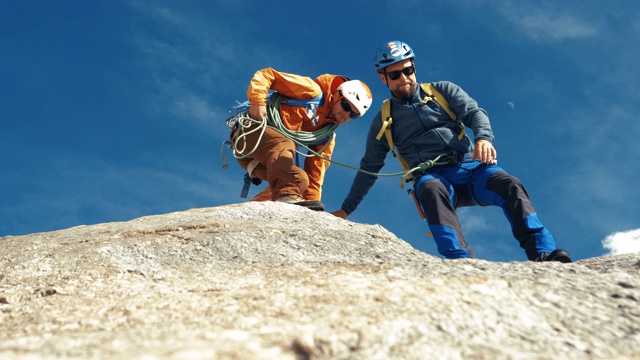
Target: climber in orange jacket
<point x="272" y="159"/>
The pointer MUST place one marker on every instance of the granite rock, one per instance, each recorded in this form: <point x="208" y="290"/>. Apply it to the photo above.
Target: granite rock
<point x="264" y="280"/>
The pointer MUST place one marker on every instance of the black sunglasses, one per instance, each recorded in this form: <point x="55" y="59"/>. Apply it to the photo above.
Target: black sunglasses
<point x="408" y="71"/>
<point x="347" y="107"/>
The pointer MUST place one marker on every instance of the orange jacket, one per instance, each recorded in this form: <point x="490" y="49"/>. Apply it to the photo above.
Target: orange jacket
<point x="295" y="117"/>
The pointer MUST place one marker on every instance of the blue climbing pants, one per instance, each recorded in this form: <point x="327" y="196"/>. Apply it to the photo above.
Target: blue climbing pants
<point x="443" y="190"/>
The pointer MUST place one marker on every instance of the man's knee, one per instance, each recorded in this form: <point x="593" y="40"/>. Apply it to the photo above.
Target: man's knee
<point x="432" y="189"/>
<point x="501" y="182"/>
<point x="509" y="188"/>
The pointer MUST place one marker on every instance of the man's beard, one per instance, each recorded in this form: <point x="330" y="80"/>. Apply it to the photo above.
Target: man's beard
<point x="402" y="92"/>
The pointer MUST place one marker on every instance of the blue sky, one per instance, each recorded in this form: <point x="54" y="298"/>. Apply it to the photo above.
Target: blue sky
<point x="113" y="110"/>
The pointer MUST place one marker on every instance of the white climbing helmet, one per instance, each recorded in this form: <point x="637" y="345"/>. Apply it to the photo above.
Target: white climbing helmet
<point x="358" y="94"/>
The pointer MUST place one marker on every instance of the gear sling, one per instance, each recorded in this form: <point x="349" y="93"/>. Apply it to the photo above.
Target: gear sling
<point x="241" y="109"/>
<point x="385" y="112"/>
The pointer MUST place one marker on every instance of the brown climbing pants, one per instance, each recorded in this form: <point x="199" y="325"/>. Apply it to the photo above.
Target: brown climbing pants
<point x="276" y="154"/>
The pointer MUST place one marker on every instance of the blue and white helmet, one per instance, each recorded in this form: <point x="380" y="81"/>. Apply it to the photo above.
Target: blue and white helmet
<point x="391" y="53"/>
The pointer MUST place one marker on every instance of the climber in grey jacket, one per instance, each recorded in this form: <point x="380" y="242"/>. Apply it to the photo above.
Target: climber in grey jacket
<point x="465" y="175"/>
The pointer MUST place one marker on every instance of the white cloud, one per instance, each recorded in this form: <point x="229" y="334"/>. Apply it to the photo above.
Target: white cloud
<point x="539" y="26"/>
<point x="626" y="242"/>
<point x="547" y="22"/>
<point x="474" y="221"/>
<point x="193" y="106"/>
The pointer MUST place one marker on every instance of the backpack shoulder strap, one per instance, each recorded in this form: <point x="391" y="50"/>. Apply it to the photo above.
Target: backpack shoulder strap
<point x="313" y="102"/>
<point x="387" y="120"/>
<point x="385" y="113"/>
<point x="435" y="95"/>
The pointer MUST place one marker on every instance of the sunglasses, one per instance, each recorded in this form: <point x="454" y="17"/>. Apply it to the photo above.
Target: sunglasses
<point x="347" y="107"/>
<point x="408" y="71"/>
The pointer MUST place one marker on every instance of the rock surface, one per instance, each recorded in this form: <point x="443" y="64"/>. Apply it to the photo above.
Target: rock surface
<point x="276" y="281"/>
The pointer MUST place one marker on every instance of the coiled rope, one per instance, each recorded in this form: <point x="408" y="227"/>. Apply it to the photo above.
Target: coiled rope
<point x="305" y="138"/>
<point x="273" y="120"/>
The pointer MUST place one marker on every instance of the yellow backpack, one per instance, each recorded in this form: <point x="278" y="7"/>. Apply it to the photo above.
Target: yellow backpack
<point x="432" y="94"/>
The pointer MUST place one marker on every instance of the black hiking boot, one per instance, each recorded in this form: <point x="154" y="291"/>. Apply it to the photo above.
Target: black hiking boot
<point x="298" y="200"/>
<point x="310" y="204"/>
<point x="555" y="255"/>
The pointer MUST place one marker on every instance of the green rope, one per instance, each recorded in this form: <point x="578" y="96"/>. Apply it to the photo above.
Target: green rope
<point x="305" y="138"/>
<point x="244" y="123"/>
<point x="299" y="137"/>
<point x="273" y="120"/>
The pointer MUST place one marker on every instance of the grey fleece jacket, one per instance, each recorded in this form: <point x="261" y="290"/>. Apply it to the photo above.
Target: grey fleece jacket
<point x="420" y="133"/>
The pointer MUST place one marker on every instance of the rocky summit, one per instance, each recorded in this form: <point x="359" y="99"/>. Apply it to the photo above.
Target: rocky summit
<point x="276" y="281"/>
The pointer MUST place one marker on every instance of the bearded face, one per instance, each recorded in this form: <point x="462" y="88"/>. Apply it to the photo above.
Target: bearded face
<point x="400" y="79"/>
